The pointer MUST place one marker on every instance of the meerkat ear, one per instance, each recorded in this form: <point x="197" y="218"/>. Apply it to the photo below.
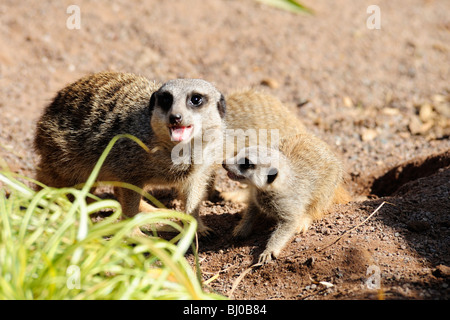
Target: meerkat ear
<point x="272" y="175"/>
<point x="152" y="102"/>
<point x="222" y="106"/>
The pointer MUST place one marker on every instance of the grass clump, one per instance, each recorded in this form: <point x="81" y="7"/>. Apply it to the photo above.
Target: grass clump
<point x="51" y="249"/>
<point x="288" y="5"/>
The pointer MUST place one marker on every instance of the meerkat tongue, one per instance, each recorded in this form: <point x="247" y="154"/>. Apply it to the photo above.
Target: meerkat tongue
<point x="181" y="133"/>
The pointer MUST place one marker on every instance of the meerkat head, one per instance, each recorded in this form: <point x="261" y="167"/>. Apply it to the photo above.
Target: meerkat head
<point x="256" y="165"/>
<point x="185" y="108"/>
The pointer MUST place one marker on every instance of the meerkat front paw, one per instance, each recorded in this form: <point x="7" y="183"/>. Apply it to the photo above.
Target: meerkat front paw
<point x="136" y="232"/>
<point x="242" y="230"/>
<point x="303" y="224"/>
<point x="144" y="206"/>
<point x="266" y="257"/>
<point x="239" y="233"/>
<point x="204" y="231"/>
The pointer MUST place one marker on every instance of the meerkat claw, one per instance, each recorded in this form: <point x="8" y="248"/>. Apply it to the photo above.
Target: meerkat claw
<point x="265" y="257"/>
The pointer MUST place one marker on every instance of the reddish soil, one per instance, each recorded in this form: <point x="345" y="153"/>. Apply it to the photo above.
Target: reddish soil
<point x="380" y="98"/>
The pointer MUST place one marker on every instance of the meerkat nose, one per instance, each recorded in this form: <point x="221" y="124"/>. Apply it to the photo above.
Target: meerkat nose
<point x="175" y="118"/>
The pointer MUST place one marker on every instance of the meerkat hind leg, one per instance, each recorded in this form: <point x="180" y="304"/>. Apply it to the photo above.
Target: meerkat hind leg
<point x="245" y="226"/>
<point x="144" y="206"/>
<point x="132" y="204"/>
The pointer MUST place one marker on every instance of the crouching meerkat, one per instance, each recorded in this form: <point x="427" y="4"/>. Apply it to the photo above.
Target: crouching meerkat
<point x="255" y="117"/>
<point x="84" y="116"/>
<point x="294" y="183"/>
<point x="304" y="177"/>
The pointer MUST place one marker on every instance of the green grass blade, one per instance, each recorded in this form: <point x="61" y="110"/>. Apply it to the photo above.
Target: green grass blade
<point x="43" y="236"/>
<point x="288" y="5"/>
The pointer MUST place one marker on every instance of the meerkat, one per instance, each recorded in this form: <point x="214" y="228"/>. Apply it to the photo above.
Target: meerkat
<point x="78" y="124"/>
<point x="252" y="109"/>
<point x="254" y="117"/>
<point x="294" y="182"/>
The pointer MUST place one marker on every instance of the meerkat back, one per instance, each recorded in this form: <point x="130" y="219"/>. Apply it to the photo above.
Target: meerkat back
<point x="257" y="118"/>
<point x="253" y="109"/>
<point x="81" y="120"/>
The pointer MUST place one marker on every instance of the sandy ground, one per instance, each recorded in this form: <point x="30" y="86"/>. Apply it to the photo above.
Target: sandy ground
<point x="380" y="98"/>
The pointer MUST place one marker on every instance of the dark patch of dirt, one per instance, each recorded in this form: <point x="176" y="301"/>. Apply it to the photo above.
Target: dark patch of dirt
<point x="380" y="98"/>
<point x="415" y="169"/>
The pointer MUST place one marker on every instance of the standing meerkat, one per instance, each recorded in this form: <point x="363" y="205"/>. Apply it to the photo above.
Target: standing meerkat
<point x="83" y="118"/>
<point x="294" y="182"/>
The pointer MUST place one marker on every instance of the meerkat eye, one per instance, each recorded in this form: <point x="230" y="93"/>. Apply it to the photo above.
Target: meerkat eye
<point x="245" y="164"/>
<point x="196" y="100"/>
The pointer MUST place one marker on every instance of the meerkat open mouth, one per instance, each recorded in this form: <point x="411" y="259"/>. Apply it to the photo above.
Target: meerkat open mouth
<point x="234" y="177"/>
<point x="181" y="133"/>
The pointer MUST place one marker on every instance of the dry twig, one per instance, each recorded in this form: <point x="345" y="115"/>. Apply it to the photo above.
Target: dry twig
<point x="349" y="230"/>
<point x="239" y="279"/>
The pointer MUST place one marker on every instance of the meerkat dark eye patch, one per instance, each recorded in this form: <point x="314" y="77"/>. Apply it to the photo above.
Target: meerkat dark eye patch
<point x="222" y="106"/>
<point x="165" y="100"/>
<point x="245" y="164"/>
